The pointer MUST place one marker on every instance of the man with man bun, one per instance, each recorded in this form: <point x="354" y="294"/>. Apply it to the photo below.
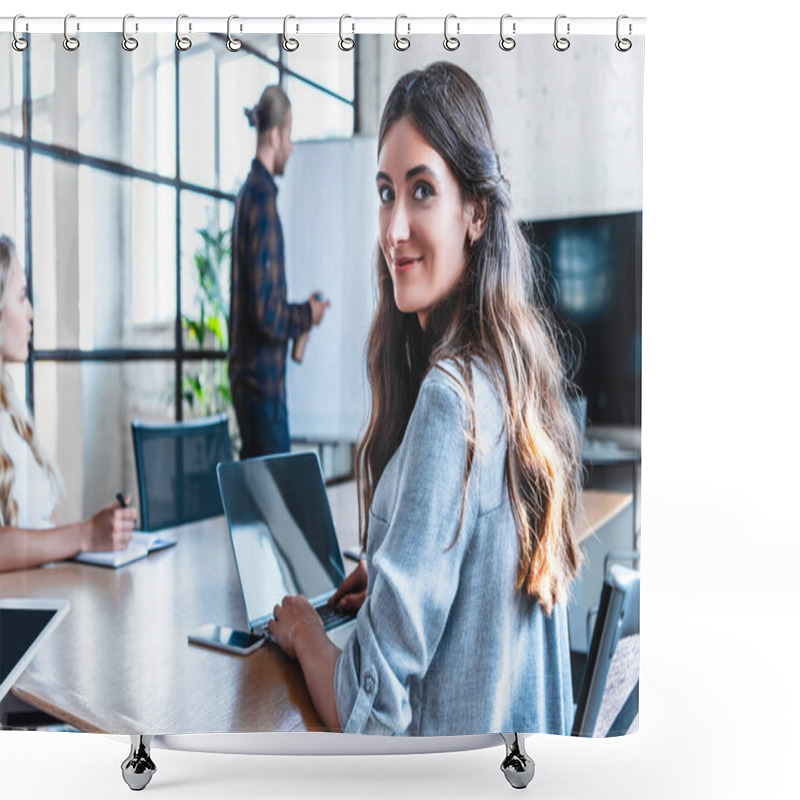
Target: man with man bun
<point x="262" y="321"/>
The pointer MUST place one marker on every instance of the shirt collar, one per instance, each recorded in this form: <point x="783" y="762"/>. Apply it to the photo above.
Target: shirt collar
<point x="260" y="171"/>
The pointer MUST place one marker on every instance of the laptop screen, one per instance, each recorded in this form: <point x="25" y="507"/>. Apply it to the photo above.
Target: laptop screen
<point x="281" y="530"/>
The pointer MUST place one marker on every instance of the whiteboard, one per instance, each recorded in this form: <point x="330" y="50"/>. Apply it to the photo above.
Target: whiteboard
<point x="328" y="206"/>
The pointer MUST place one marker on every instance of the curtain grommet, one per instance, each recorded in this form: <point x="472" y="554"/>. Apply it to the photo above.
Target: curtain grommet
<point x="561" y="43"/>
<point x="507" y="43"/>
<point x="70" y="43"/>
<point x="233" y="44"/>
<point x="623" y="44"/>
<point x="129" y="43"/>
<point x="183" y="43"/>
<point x="19" y="43"/>
<point x="451" y="43"/>
<point x="401" y="43"/>
<point x="290" y="44"/>
<point x="346" y="43"/>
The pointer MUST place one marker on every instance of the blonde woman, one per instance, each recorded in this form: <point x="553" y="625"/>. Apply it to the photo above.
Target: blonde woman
<point x="469" y="471"/>
<point x="29" y="481"/>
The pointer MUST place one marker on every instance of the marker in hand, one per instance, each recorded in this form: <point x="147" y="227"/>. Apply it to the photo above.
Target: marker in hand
<point x="299" y="348"/>
<point x="121" y="500"/>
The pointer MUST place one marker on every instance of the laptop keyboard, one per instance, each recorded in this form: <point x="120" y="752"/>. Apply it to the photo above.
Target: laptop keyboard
<point x="332" y="616"/>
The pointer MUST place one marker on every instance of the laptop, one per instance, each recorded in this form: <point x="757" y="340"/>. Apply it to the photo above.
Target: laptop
<point x="283" y="538"/>
<point x="24" y="625"/>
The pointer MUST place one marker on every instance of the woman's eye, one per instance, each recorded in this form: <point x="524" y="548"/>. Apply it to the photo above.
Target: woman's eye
<point x="385" y="194"/>
<point x="422" y="191"/>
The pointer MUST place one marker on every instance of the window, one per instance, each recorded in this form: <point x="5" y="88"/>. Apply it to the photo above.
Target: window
<point x="119" y="160"/>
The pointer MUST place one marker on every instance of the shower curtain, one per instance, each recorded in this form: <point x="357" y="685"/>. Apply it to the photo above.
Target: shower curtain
<point x="124" y="172"/>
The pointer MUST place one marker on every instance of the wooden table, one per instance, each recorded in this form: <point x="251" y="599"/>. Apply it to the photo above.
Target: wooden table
<point x="120" y="661"/>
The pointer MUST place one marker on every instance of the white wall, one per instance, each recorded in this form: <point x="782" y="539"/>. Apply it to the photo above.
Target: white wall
<point x="568" y="125"/>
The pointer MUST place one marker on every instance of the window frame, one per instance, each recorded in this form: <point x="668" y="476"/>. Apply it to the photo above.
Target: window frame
<point x="178" y="354"/>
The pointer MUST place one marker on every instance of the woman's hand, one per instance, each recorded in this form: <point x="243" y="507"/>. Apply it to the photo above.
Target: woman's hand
<point x="297" y="630"/>
<point x="110" y="528"/>
<point x="352" y="591"/>
<point x="290" y="619"/>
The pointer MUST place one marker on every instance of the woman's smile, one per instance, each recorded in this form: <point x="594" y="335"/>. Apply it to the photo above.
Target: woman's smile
<point x="404" y="264"/>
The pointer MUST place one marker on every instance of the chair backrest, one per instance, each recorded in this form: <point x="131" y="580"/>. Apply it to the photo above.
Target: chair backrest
<point x="176" y="469"/>
<point x="608" y="702"/>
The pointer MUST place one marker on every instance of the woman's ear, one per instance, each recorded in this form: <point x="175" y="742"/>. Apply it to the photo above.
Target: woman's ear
<point x="478" y="215"/>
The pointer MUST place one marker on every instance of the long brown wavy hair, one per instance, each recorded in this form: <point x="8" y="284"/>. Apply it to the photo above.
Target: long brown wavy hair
<point x="497" y="314"/>
<point x="10" y="403"/>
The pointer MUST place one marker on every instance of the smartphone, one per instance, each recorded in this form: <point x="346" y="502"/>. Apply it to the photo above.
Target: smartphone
<point x="228" y="639"/>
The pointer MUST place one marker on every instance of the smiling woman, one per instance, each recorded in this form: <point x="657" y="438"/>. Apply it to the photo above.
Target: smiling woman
<point x="469" y="469"/>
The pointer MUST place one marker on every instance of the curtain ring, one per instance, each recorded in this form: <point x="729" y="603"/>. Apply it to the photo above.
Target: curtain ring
<point x="183" y="43"/>
<point x="561" y="43"/>
<point x="289" y="44"/>
<point x="507" y="42"/>
<point x="400" y="42"/>
<point x="451" y="42"/>
<point x="233" y="44"/>
<point x="19" y="43"/>
<point x="70" y="43"/>
<point x="346" y="43"/>
<point x="129" y="43"/>
<point x="623" y="45"/>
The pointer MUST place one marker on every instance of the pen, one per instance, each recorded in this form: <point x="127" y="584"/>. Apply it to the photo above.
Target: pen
<point x="121" y="500"/>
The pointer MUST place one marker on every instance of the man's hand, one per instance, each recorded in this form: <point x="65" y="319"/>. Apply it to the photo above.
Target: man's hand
<point x="318" y="307"/>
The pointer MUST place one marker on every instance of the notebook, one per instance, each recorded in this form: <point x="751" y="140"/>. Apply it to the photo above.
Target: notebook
<point x="24" y="625"/>
<point x="141" y="545"/>
<point x="283" y="538"/>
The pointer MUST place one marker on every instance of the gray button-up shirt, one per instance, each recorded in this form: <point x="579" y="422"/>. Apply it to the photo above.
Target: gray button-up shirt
<point x="444" y="644"/>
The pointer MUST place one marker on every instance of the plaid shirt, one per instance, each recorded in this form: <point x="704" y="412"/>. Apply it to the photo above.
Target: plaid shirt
<point x="261" y="319"/>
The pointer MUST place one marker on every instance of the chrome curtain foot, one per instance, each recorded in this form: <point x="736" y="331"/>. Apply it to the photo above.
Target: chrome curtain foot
<point x="518" y="766"/>
<point x="138" y="768"/>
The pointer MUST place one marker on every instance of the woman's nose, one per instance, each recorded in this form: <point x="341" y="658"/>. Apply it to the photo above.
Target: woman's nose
<point x="398" y="229"/>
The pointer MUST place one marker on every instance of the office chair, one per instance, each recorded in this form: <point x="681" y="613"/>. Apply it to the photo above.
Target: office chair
<point x="608" y="701"/>
<point x="176" y="467"/>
